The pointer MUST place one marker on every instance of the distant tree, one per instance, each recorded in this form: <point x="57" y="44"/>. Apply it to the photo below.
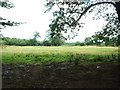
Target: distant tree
<point x="36" y="35"/>
<point x="82" y="44"/>
<point x="10" y="41"/>
<point x="17" y="42"/>
<point x="96" y="40"/>
<point x="32" y="42"/>
<point x="77" y="43"/>
<point x="46" y="43"/>
<point x="70" y="43"/>
<point x="57" y="40"/>
<point x="22" y="43"/>
<point x="88" y="41"/>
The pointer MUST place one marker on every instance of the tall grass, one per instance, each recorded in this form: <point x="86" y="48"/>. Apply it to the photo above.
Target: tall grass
<point x="72" y="54"/>
<point x="61" y="50"/>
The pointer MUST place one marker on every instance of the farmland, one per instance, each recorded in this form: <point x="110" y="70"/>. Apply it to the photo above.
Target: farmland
<point x="66" y="65"/>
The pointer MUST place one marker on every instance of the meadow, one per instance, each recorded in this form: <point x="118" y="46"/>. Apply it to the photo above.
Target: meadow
<point x="43" y="54"/>
<point x="60" y="67"/>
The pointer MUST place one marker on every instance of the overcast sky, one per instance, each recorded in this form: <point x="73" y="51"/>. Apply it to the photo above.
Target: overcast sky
<point x="32" y="12"/>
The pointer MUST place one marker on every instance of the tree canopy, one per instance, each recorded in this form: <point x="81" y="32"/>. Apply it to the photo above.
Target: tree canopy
<point x="68" y="15"/>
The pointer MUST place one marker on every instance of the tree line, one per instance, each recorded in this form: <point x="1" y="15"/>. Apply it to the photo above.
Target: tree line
<point x="95" y="39"/>
<point x="30" y="42"/>
<point x="48" y="41"/>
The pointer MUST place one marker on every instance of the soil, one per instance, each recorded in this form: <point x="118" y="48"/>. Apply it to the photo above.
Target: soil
<point x="61" y="75"/>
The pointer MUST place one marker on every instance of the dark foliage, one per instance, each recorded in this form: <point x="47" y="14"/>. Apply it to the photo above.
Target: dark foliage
<point x="67" y="17"/>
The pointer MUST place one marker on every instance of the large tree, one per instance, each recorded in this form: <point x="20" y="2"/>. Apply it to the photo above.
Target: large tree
<point x="68" y="15"/>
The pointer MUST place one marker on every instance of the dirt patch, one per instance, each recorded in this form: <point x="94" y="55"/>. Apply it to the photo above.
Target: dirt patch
<point x="61" y="75"/>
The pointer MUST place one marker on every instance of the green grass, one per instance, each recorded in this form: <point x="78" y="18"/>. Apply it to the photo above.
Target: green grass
<point x="43" y="54"/>
<point x="61" y="49"/>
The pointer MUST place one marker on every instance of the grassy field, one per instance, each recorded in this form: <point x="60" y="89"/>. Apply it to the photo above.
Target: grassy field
<point x="61" y="49"/>
<point x="43" y="54"/>
<point x="60" y="67"/>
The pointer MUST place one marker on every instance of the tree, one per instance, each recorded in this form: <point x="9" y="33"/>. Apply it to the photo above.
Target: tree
<point x="96" y="40"/>
<point x="36" y="35"/>
<point x="57" y="40"/>
<point x="77" y="43"/>
<point x="19" y="42"/>
<point x="67" y="17"/>
<point x="110" y="33"/>
<point x="101" y="39"/>
<point x="10" y="41"/>
<point x="46" y="43"/>
<point x="4" y="22"/>
<point x="88" y="41"/>
<point x="34" y="40"/>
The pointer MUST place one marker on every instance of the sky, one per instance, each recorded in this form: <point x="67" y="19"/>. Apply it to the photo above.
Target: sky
<point x="32" y="12"/>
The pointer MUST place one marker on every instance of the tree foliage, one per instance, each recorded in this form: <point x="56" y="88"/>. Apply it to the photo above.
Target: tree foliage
<point x="100" y="40"/>
<point x="79" y="43"/>
<point x="68" y="15"/>
<point x="6" y="4"/>
<point x="21" y="42"/>
<point x="4" y="22"/>
<point x="57" y="40"/>
<point x="36" y="35"/>
<point x="110" y="33"/>
<point x="88" y="41"/>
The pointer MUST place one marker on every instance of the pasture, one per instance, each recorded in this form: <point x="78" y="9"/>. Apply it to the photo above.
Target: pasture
<point x="40" y="54"/>
<point x="61" y="49"/>
<point x="61" y="66"/>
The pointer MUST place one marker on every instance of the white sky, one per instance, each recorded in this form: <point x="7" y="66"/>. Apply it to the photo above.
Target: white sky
<point x="32" y="12"/>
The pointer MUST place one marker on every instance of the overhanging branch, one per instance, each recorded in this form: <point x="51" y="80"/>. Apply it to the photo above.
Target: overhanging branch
<point x="84" y="12"/>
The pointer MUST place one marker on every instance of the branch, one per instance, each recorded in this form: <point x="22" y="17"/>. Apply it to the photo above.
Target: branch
<point x="6" y="4"/>
<point x="92" y="6"/>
